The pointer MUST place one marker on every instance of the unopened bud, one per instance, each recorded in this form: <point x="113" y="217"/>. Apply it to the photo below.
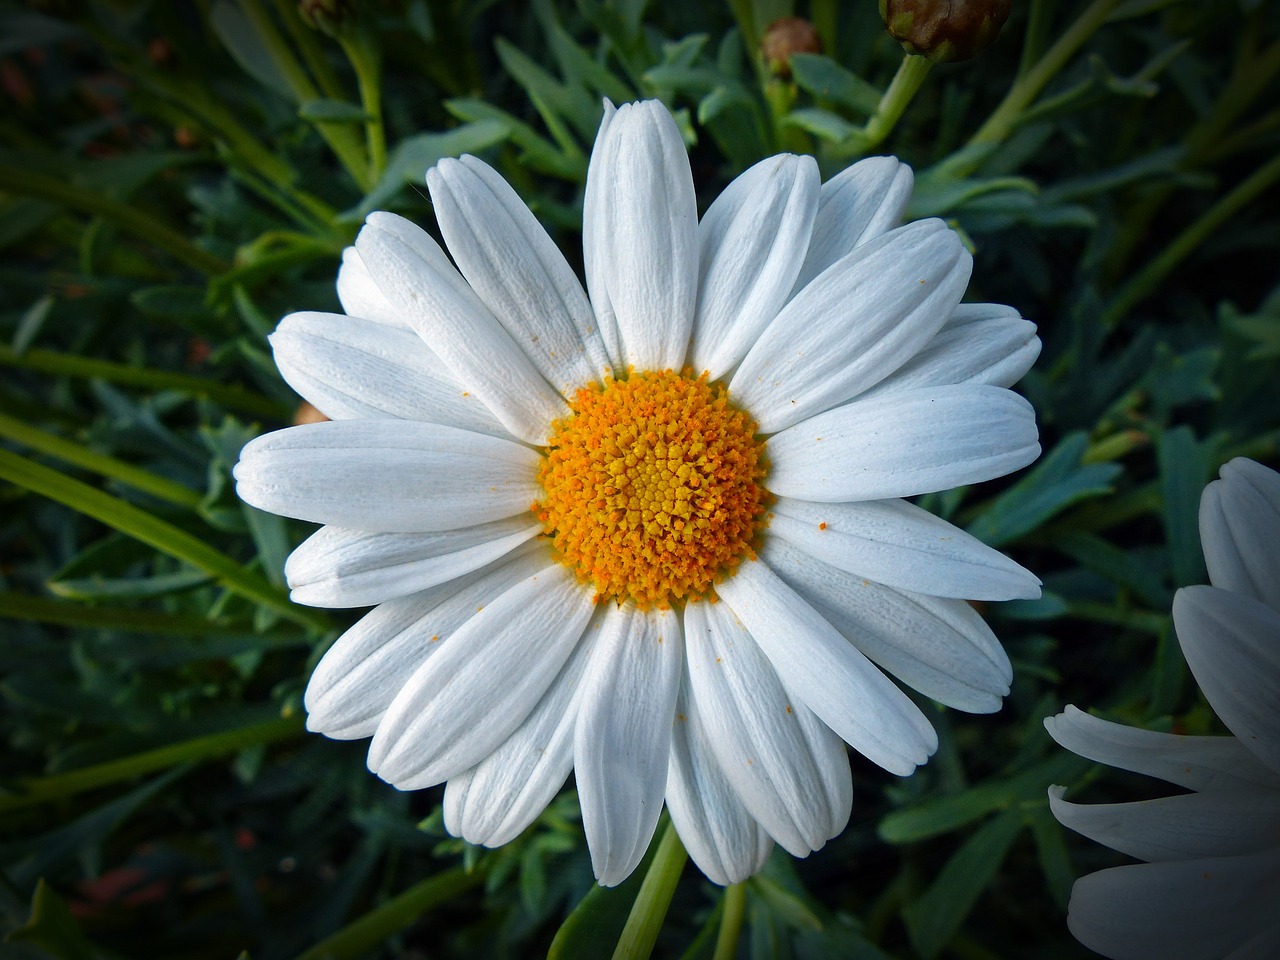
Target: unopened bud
<point x="785" y="37"/>
<point x="334" y="17"/>
<point x="945" y="30"/>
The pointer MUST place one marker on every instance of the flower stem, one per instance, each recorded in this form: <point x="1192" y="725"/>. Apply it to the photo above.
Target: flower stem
<point x="151" y="530"/>
<point x="906" y="82"/>
<point x="735" y="903"/>
<point x="650" y="908"/>
<point x="1141" y="286"/>
<point x="1002" y="121"/>
<point x="312" y="51"/>
<point x="44" y="187"/>
<point x="366" y="60"/>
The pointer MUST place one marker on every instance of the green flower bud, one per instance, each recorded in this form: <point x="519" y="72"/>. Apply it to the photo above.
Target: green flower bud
<point x="784" y="37"/>
<point x="945" y="30"/>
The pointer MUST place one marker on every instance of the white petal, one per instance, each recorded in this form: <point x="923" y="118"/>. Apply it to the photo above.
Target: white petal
<point x="641" y="226"/>
<point x="790" y="771"/>
<point x="721" y="837"/>
<point x="361" y="297"/>
<point x="903" y="444"/>
<point x="393" y="476"/>
<point x="981" y="343"/>
<point x="1187" y="910"/>
<point x="623" y="735"/>
<point x="593" y="249"/>
<point x="1264" y="946"/>
<point x="898" y="544"/>
<point x="1198" y="763"/>
<point x="518" y="272"/>
<point x="1239" y="529"/>
<point x="367" y="666"/>
<point x="1218" y="824"/>
<point x="424" y="287"/>
<point x="351" y="368"/>
<point x="938" y="646"/>
<point x="335" y="567"/>
<point x="470" y="696"/>
<point x="752" y="239"/>
<point x="1232" y="645"/>
<point x="854" y="325"/>
<point x="828" y="673"/>
<point x="858" y="204"/>
<point x="494" y="801"/>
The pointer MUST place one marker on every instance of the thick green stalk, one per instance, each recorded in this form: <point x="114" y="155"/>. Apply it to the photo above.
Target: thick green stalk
<point x="82" y="456"/>
<point x="1020" y="96"/>
<point x="366" y="59"/>
<point x="31" y="183"/>
<point x="650" y="908"/>
<point x="735" y="902"/>
<point x="365" y="934"/>
<point x="151" y="530"/>
<point x="70" y="365"/>
<point x="35" y="790"/>
<point x="903" y="88"/>
<point x="1150" y="277"/>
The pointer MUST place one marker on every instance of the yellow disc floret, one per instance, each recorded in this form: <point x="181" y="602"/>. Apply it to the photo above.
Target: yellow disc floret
<point x="653" y="487"/>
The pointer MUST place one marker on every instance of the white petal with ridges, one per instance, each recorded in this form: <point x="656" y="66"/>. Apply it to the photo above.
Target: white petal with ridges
<point x="392" y="476"/>
<point x="752" y="241"/>
<point x="336" y="567"/>
<point x="981" y="343"/>
<point x="367" y="666"/>
<point x="1240" y="528"/>
<point x="640" y="228"/>
<point x="1232" y="645"/>
<point x="361" y="297"/>
<point x="1216" y="824"/>
<point x="1197" y="763"/>
<point x="903" y="444"/>
<point x="938" y="646"/>
<point x="899" y="544"/>
<point x="859" y="204"/>
<point x="623" y="735"/>
<point x="593" y="249"/>
<point x="721" y="836"/>
<point x="853" y="325"/>
<point x="351" y="369"/>
<point x="473" y="694"/>
<point x="828" y="673"/>
<point x="418" y="279"/>
<point x="1185" y="910"/>
<point x="494" y="801"/>
<point x="790" y="770"/>
<point x="519" y="273"/>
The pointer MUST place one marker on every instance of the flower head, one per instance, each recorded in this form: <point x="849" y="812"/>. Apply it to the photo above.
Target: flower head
<point x="1211" y="880"/>
<point x="654" y="535"/>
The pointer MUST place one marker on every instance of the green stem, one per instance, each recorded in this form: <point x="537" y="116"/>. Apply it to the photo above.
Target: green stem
<point x="366" y="60"/>
<point x="65" y="364"/>
<point x="906" y="82"/>
<point x="365" y="934"/>
<point x="1020" y="96"/>
<point x="312" y="51"/>
<point x="65" y="613"/>
<point x="735" y="903"/>
<point x="151" y="530"/>
<point x="82" y="456"/>
<point x="33" y="184"/>
<point x="650" y="908"/>
<point x="339" y="136"/>
<point x="1150" y="277"/>
<point x="42" y="789"/>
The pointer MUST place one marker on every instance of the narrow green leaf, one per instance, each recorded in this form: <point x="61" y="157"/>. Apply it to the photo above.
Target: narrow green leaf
<point x="1055" y="861"/>
<point x="1185" y="467"/>
<point x="52" y="927"/>
<point x="332" y="111"/>
<point x="825" y="79"/>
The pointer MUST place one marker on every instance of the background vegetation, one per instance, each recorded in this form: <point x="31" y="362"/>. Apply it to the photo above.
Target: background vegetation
<point x="174" y="177"/>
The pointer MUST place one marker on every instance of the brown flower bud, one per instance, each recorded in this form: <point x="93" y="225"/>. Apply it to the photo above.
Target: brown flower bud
<point x="945" y="30"/>
<point x="785" y="37"/>
<point x="333" y="17"/>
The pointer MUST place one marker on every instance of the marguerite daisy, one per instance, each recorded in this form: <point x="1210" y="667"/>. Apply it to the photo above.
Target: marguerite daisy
<point x="653" y="536"/>
<point x="1211" y="883"/>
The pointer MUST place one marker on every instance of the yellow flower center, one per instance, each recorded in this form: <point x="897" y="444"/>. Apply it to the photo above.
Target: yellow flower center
<point x="653" y="487"/>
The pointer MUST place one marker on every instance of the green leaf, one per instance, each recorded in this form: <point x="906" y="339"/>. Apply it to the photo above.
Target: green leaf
<point x="537" y="152"/>
<point x="821" y="123"/>
<point x="247" y="47"/>
<point x="556" y="102"/>
<point x="1122" y="567"/>
<point x="593" y="928"/>
<point x="1055" y="861"/>
<point x="1057" y="482"/>
<point x="1186" y="465"/>
<point x="934" y="918"/>
<point x="332" y="111"/>
<point x="52" y="927"/>
<point x="825" y="79"/>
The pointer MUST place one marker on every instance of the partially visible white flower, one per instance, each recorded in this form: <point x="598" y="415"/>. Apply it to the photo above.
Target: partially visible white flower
<point x="652" y="533"/>
<point x="1210" y="887"/>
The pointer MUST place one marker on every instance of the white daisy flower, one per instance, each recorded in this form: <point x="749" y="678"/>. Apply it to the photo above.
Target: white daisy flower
<point x="653" y="536"/>
<point x="1211" y="883"/>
